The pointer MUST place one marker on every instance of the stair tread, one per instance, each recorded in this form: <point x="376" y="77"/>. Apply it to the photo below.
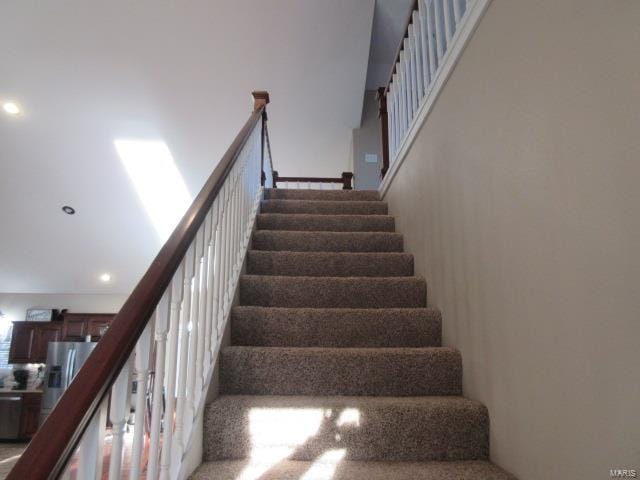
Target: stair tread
<point x="324" y="207"/>
<point x="329" y="195"/>
<point x="353" y="470"/>
<point x="407" y="371"/>
<point x="327" y="292"/>
<point x="349" y="264"/>
<point x="316" y="241"/>
<point x="370" y="428"/>
<point x="334" y="222"/>
<point x="336" y="327"/>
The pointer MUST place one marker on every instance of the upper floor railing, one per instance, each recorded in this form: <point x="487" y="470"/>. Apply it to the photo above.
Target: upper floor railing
<point x="344" y="182"/>
<point x="165" y="338"/>
<point x="436" y="33"/>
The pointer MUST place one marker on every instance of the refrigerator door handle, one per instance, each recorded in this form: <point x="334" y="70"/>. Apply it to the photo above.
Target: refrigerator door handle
<point x="71" y="357"/>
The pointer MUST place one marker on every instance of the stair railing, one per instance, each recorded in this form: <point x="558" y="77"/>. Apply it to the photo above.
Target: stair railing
<point x="171" y="325"/>
<point x="435" y="35"/>
<point x="343" y="182"/>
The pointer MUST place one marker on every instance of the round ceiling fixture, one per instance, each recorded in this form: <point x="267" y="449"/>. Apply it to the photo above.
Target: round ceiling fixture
<point x="68" y="210"/>
<point x="105" y="278"/>
<point x="11" y="108"/>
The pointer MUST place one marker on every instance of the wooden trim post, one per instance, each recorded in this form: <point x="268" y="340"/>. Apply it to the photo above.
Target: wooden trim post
<point x="384" y="129"/>
<point x="261" y="99"/>
<point x="346" y="180"/>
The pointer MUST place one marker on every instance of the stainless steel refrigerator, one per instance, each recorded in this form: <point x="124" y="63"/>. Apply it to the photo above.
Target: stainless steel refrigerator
<point x="64" y="359"/>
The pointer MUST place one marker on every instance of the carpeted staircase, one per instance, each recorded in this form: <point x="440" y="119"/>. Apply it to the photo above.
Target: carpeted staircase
<point x="336" y="368"/>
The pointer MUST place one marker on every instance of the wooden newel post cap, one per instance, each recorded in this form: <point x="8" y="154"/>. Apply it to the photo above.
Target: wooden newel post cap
<point x="260" y="99"/>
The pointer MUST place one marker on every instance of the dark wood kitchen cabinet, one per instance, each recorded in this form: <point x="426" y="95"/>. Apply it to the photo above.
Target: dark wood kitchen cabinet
<point x="20" y="413"/>
<point x="30" y="414"/>
<point x="29" y="341"/>
<point x="76" y="326"/>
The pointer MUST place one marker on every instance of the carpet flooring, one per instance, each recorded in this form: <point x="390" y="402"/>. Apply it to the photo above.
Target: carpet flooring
<point x="336" y="368"/>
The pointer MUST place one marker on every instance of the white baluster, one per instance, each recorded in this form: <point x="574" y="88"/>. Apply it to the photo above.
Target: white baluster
<point x="431" y="38"/>
<point x="177" y="292"/>
<point x="402" y="97"/>
<point x="420" y="57"/>
<point x="224" y="240"/>
<point x="390" y="120"/>
<point x="396" y="106"/>
<point x="439" y="29"/>
<point x="230" y="250"/>
<point x="91" y="450"/>
<point x="413" y="71"/>
<point x="120" y="409"/>
<point x="457" y="11"/>
<point x="446" y="14"/>
<point x="215" y="308"/>
<point x="410" y="81"/>
<point x="203" y="276"/>
<point x="161" y="329"/>
<point x="208" y="351"/>
<point x="193" y="336"/>
<point x="141" y="365"/>
<point x="185" y="321"/>
<point x="424" y="44"/>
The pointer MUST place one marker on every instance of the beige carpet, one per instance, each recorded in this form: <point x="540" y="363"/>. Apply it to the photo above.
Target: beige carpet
<point x="336" y="368"/>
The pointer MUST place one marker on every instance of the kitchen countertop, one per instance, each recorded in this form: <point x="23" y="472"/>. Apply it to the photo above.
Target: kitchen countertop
<point x="8" y="391"/>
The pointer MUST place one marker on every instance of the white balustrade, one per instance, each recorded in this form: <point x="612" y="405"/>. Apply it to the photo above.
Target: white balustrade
<point x="174" y="356"/>
<point x="431" y="33"/>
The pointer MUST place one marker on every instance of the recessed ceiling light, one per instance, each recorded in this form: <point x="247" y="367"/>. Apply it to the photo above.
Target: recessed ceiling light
<point x="68" y="210"/>
<point x="11" y="108"/>
<point x="105" y="277"/>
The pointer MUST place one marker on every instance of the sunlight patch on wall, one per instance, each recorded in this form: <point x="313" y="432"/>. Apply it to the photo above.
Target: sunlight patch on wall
<point x="157" y="181"/>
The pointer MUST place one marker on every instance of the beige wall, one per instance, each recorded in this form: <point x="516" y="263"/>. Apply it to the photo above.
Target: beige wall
<point x="521" y="202"/>
<point x="366" y="140"/>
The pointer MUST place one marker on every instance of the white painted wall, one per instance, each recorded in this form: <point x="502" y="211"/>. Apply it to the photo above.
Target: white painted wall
<point x="366" y="141"/>
<point x="520" y="202"/>
<point x="88" y="73"/>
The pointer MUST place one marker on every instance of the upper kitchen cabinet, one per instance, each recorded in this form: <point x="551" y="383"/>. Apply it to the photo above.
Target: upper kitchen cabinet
<point x="29" y="341"/>
<point x="76" y="326"/>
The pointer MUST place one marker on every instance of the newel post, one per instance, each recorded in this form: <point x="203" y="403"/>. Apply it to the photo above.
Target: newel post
<point x="261" y="99"/>
<point x="346" y="180"/>
<point x="384" y="126"/>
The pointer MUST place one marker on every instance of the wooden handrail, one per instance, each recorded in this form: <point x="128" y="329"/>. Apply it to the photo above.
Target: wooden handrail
<point x="56" y="440"/>
<point x="345" y="179"/>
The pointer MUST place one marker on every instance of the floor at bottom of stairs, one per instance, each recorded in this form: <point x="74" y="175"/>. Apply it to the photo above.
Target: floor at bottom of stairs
<point x="331" y="468"/>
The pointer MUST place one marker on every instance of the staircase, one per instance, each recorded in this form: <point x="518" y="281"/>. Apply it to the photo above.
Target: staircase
<point x="335" y="367"/>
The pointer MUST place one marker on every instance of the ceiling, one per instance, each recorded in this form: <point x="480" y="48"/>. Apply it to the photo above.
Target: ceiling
<point x="87" y="73"/>
<point x="389" y="22"/>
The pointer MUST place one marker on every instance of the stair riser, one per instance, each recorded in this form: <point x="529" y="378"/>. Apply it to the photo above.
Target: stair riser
<point x="333" y="292"/>
<point x="329" y="264"/>
<point x="373" y="372"/>
<point x="326" y="241"/>
<point x="323" y="208"/>
<point x="391" y="433"/>
<point x="276" y="327"/>
<point x="325" y="195"/>
<point x="326" y="223"/>
<point x="354" y="470"/>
